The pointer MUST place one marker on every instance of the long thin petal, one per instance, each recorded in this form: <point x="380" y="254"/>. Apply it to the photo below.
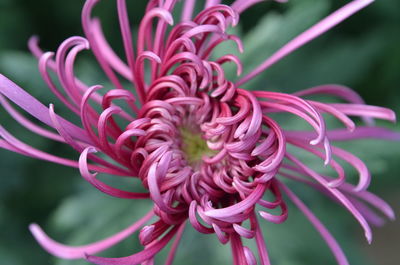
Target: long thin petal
<point x="363" y="196"/>
<point x="345" y="135"/>
<point x="174" y="247"/>
<point x="260" y="241"/>
<point x="139" y="257"/>
<point x="78" y="252"/>
<point x="329" y="239"/>
<point x="337" y="194"/>
<point x="27" y="123"/>
<point x="37" y="109"/>
<point x="188" y="10"/>
<point x="308" y="35"/>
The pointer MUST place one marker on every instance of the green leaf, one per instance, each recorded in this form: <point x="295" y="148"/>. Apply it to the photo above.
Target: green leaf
<point x="90" y="216"/>
<point x="275" y="30"/>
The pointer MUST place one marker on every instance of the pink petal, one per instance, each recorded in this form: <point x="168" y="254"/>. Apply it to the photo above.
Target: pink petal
<point x="139" y="257"/>
<point x="68" y="252"/>
<point x="37" y="109"/>
<point x="329" y="239"/>
<point x="310" y="34"/>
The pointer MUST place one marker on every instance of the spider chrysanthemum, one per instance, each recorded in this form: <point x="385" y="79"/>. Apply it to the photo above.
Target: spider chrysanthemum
<point x="205" y="149"/>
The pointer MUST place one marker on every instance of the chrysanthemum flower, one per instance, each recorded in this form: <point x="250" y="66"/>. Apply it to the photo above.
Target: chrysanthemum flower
<point x="205" y="149"/>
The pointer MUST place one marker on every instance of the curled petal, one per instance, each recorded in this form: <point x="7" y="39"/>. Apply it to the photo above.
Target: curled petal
<point x="244" y="232"/>
<point x="358" y="164"/>
<point x="91" y="178"/>
<point x="195" y="223"/>
<point x="234" y="59"/>
<point x="223" y="238"/>
<point x="276" y="219"/>
<point x="162" y="13"/>
<point x="239" y="207"/>
<point x="155" y="192"/>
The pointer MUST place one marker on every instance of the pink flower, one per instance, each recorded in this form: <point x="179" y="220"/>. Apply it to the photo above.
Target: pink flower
<point x="205" y="149"/>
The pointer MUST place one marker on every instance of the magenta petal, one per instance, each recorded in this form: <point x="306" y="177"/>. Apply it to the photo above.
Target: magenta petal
<point x="68" y="252"/>
<point x="239" y="207"/>
<point x="175" y="244"/>
<point x="188" y="10"/>
<point x="308" y="35"/>
<point x="206" y="150"/>
<point x="91" y="178"/>
<point x="138" y="257"/>
<point x="338" y="195"/>
<point x="241" y="5"/>
<point x="250" y="258"/>
<point x="244" y="232"/>
<point x="329" y="239"/>
<point x="345" y="135"/>
<point x="37" y="109"/>
<point x="277" y="219"/>
<point x="27" y="123"/>
<point x="260" y="241"/>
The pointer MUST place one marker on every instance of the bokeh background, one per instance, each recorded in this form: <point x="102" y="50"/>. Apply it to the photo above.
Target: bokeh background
<point x="363" y="53"/>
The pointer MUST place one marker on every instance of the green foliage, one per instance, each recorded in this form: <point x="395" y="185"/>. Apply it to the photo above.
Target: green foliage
<point x="89" y="216"/>
<point x="273" y="31"/>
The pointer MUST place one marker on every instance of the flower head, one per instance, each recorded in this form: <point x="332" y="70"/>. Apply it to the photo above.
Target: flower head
<point x="205" y="149"/>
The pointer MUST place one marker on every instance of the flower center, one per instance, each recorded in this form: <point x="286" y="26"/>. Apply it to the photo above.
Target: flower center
<point x="194" y="146"/>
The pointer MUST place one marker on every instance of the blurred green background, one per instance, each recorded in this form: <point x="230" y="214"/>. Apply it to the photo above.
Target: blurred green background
<point x="363" y="53"/>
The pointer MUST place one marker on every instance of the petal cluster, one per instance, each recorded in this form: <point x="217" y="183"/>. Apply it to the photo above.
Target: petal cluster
<point x="176" y="84"/>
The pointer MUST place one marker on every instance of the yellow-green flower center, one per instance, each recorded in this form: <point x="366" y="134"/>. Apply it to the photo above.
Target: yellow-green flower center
<point x="194" y="146"/>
